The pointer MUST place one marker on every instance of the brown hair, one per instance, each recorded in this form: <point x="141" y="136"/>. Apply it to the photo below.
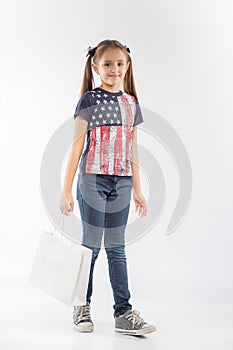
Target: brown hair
<point x="96" y="53"/>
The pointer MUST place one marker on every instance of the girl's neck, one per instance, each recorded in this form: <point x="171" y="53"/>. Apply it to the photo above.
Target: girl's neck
<point x="110" y="89"/>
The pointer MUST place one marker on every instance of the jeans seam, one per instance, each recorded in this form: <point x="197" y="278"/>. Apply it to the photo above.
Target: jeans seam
<point x="111" y="266"/>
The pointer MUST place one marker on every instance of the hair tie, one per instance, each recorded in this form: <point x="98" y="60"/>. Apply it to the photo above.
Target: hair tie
<point x="127" y="48"/>
<point x="91" y="51"/>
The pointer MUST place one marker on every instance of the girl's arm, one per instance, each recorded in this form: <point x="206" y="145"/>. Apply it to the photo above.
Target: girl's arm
<point x="80" y="128"/>
<point x="139" y="199"/>
<point x="135" y="162"/>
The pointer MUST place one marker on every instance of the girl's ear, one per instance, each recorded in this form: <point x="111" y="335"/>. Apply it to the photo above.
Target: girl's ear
<point x="127" y="66"/>
<point x="95" y="67"/>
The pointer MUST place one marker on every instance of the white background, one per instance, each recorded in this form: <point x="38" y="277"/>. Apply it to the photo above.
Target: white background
<point x="182" y="57"/>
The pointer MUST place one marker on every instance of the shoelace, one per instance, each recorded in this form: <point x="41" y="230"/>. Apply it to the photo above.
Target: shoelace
<point x="83" y="312"/>
<point x="135" y="318"/>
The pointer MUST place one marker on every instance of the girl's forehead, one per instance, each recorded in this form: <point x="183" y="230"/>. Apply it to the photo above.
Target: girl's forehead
<point x="113" y="55"/>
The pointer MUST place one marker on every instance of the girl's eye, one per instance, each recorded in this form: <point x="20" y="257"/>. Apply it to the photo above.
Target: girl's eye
<point x="107" y="64"/>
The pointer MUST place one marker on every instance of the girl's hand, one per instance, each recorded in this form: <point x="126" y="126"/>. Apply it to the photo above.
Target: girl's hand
<point x="140" y="203"/>
<point x="67" y="203"/>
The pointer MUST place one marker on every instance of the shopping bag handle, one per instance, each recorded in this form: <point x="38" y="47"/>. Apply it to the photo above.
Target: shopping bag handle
<point x="62" y="229"/>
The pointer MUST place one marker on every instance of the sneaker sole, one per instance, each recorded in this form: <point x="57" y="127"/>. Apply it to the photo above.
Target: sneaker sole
<point x="141" y="331"/>
<point x="81" y="329"/>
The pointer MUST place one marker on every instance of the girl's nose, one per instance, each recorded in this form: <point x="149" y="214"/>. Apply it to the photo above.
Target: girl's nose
<point x="114" y="68"/>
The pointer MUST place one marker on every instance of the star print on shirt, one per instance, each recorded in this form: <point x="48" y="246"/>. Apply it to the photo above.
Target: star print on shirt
<point x="107" y="110"/>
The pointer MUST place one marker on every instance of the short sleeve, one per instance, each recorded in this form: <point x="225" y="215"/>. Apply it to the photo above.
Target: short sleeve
<point x="83" y="108"/>
<point x="138" y="116"/>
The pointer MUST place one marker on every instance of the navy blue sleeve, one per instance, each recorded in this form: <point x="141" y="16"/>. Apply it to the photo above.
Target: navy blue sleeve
<point x="84" y="107"/>
<point x="138" y="116"/>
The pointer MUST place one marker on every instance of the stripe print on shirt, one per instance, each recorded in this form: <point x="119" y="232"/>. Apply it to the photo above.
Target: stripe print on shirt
<point x="110" y="147"/>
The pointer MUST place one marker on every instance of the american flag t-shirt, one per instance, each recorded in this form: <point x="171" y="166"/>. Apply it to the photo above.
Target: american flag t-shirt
<point x="111" y="118"/>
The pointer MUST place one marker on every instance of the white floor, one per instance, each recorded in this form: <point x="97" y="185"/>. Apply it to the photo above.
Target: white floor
<point x="30" y="319"/>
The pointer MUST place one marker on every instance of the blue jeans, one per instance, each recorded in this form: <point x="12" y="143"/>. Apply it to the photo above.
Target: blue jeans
<point x="104" y="202"/>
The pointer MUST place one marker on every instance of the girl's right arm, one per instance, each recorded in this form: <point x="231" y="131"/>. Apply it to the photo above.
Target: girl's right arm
<point x="67" y="203"/>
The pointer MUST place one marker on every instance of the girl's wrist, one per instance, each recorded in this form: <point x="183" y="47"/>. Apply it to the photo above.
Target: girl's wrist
<point x="66" y="192"/>
<point x="136" y="189"/>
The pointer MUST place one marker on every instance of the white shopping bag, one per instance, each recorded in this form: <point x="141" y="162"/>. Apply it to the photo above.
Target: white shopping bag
<point x="61" y="268"/>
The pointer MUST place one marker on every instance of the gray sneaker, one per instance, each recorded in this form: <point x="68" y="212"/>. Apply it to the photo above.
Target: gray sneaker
<point x="131" y="323"/>
<point x="82" y="318"/>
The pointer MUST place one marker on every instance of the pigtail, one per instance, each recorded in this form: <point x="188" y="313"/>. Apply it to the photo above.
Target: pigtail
<point x="88" y="79"/>
<point x="129" y="85"/>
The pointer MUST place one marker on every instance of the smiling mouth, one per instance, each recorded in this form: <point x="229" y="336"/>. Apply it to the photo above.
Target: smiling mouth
<point x="114" y="76"/>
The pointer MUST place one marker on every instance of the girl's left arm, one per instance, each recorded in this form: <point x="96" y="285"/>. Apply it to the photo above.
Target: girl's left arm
<point x="135" y="162"/>
<point x="139" y="199"/>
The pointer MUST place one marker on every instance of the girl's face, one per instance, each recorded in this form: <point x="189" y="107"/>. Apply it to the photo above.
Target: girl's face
<point x="112" y="67"/>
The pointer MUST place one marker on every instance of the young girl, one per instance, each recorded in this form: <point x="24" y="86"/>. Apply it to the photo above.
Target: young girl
<point x="108" y="171"/>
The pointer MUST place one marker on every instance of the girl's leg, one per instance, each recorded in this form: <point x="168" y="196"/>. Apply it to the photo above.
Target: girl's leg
<point x="116" y="216"/>
<point x="92" y="212"/>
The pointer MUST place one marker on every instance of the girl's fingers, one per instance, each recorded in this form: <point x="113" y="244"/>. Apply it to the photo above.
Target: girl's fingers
<point x="143" y="211"/>
<point x="140" y="208"/>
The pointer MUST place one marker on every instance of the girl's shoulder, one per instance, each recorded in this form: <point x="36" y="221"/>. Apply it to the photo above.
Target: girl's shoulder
<point x="89" y="96"/>
<point x="86" y="98"/>
<point x="131" y="98"/>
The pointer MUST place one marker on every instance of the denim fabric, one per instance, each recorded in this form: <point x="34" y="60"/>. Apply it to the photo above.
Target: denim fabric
<point x="104" y="202"/>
